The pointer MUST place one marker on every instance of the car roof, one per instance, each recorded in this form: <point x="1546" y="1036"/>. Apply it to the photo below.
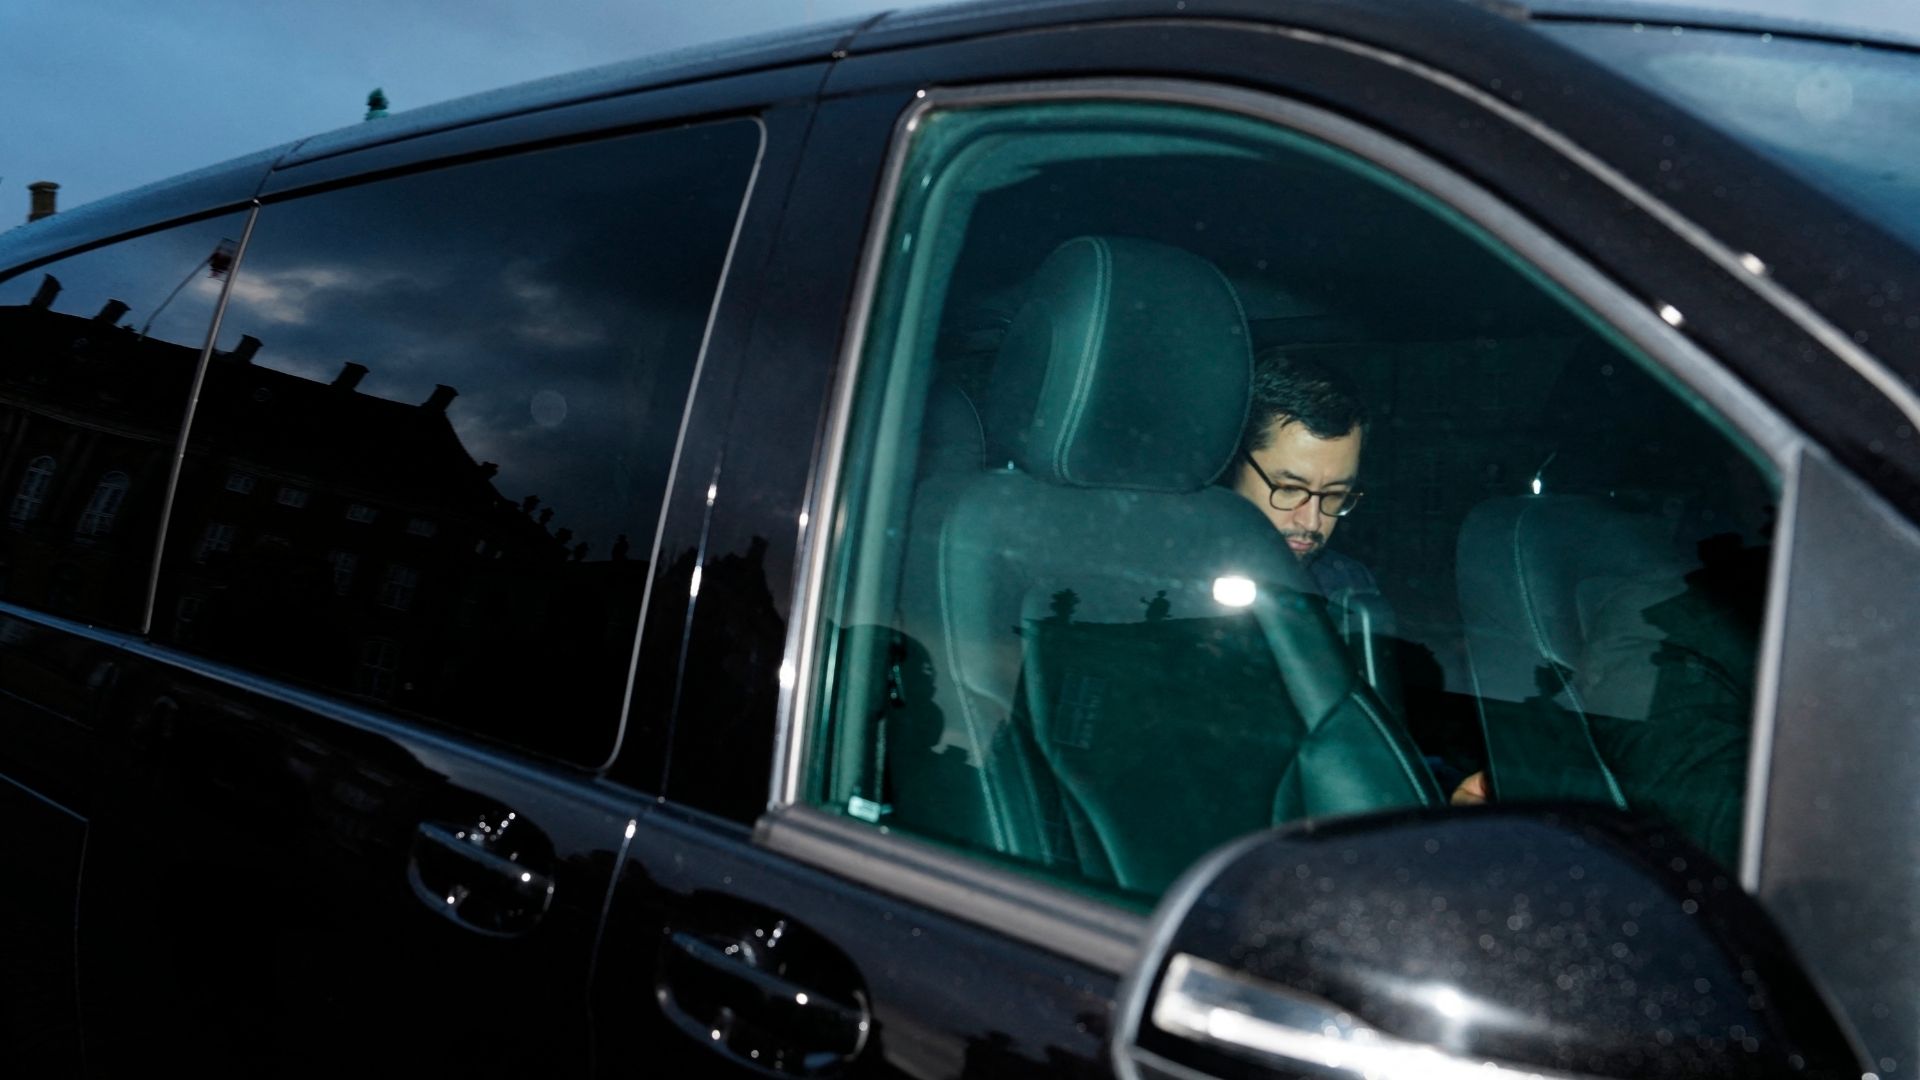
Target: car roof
<point x="1852" y="19"/>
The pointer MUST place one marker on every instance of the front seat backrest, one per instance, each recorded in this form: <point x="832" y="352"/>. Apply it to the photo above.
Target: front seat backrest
<point x="1533" y="571"/>
<point x="1141" y="641"/>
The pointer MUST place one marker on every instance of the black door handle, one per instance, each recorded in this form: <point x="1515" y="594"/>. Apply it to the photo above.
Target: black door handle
<point x="738" y="997"/>
<point x="470" y="875"/>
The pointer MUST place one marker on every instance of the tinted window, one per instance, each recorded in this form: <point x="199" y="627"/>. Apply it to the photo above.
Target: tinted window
<point x="97" y="355"/>
<point x="430" y="454"/>
<point x="1203" y="478"/>
<point x="1832" y="112"/>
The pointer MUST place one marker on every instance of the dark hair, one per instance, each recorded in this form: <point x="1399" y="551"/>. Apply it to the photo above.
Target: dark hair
<point x="1285" y="388"/>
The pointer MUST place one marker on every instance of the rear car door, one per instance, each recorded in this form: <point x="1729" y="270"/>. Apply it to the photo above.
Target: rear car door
<point x="1008" y="684"/>
<point x="98" y="348"/>
<point x="395" y="621"/>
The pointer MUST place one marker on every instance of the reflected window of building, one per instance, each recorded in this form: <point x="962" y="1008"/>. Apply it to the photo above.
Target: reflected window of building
<point x="104" y="506"/>
<point x="32" y="493"/>
<point x="217" y="537"/>
<point x="240" y="483"/>
<point x="379" y="660"/>
<point x="98" y="355"/>
<point x="362" y="513"/>
<point x="343" y="563"/>
<point x="397" y="591"/>
<point x="291" y="496"/>
<point x="422" y="527"/>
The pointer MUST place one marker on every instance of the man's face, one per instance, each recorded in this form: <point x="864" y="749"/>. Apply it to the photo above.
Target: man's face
<point x="1295" y="458"/>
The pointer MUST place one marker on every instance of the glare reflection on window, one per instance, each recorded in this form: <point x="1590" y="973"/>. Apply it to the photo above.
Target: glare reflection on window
<point x="1234" y="591"/>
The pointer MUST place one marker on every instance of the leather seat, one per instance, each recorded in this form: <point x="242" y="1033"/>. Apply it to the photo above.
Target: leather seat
<point x="1131" y="647"/>
<point x="1544" y="583"/>
<point x="933" y="753"/>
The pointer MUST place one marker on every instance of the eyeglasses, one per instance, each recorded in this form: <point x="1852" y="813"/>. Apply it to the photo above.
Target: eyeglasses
<point x="1286" y="497"/>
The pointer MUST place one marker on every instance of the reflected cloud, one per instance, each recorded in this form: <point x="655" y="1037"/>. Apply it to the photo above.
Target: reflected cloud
<point x="295" y="296"/>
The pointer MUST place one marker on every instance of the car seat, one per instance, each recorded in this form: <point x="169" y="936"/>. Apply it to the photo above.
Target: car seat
<point x="1136" y="644"/>
<point x="1537" y="575"/>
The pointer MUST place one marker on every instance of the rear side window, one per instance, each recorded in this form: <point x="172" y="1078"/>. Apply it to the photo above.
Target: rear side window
<point x="429" y="458"/>
<point x="1202" y="478"/>
<point x="97" y="355"/>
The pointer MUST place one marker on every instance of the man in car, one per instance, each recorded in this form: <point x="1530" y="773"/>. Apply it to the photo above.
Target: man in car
<point x="1300" y="463"/>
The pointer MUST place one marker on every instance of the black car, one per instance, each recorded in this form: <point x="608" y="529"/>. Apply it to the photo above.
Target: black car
<point x="775" y="560"/>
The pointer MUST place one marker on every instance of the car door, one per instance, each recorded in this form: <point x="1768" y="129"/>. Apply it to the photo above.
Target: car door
<point x="999" y="710"/>
<point x="99" y="347"/>
<point x="395" y="620"/>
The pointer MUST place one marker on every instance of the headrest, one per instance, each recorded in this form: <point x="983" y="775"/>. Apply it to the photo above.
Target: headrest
<point x="1523" y="562"/>
<point x="1128" y="366"/>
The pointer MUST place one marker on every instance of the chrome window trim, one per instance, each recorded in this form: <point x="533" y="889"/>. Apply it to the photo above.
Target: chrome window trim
<point x="1643" y="324"/>
<point x="178" y="464"/>
<point x="796" y="663"/>
<point x="680" y="439"/>
<point x="1025" y="908"/>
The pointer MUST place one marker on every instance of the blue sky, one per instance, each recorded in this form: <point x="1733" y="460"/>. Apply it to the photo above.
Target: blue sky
<point x="106" y="95"/>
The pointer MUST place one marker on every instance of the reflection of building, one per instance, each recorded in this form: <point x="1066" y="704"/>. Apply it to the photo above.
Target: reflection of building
<point x="323" y="533"/>
<point x="87" y="416"/>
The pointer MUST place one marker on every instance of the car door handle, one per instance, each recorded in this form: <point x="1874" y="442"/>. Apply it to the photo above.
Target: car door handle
<point x="462" y="874"/>
<point x="717" y="994"/>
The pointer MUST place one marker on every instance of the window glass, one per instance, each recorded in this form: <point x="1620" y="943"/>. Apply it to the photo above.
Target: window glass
<point x="1832" y="111"/>
<point x="457" y="389"/>
<point x="97" y="357"/>
<point x="1203" y="478"/>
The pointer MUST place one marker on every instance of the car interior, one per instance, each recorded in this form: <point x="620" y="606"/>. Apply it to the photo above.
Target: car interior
<point x="1050" y="655"/>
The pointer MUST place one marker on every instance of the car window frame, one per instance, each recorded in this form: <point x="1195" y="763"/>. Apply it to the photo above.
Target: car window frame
<point x="1050" y="915"/>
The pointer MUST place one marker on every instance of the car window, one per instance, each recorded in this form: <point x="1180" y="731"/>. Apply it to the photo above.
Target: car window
<point x="429" y="457"/>
<point x="1201" y="477"/>
<point x="97" y="358"/>
<point x="1826" y="109"/>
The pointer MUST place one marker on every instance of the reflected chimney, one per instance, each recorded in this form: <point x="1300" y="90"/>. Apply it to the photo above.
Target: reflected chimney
<point x="441" y="397"/>
<point x="43" y="296"/>
<point x="243" y="352"/>
<point x="488" y="470"/>
<point x="350" y="375"/>
<point x="40" y="199"/>
<point x="110" y="313"/>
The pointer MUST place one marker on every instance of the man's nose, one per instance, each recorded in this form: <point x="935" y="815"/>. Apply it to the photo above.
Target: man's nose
<point x="1307" y="515"/>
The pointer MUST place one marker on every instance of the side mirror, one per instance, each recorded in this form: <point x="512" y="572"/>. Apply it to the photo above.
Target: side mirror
<point x="1496" y="942"/>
